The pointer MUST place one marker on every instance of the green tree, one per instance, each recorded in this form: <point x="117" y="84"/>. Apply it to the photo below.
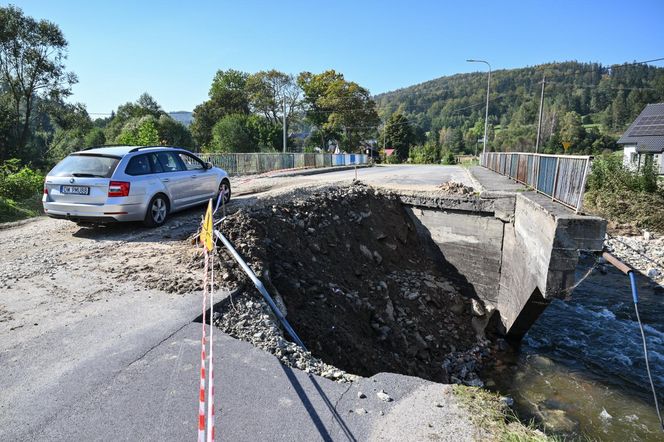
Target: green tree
<point x="140" y="132"/>
<point x="338" y="108"/>
<point x="173" y="133"/>
<point x="451" y="140"/>
<point x="267" y="134"/>
<point x="144" y="106"/>
<point x="148" y="135"/>
<point x="227" y="95"/>
<point x="473" y="139"/>
<point x="71" y="123"/>
<point x="353" y="113"/>
<point x="619" y="111"/>
<point x="571" y="129"/>
<point x="448" y="157"/>
<point x="233" y="133"/>
<point x="269" y="91"/>
<point x="271" y="94"/>
<point x="399" y="135"/>
<point x="32" y="55"/>
<point x="94" y="137"/>
<point x="315" y="88"/>
<point x="147" y="105"/>
<point x="6" y="126"/>
<point x="429" y="153"/>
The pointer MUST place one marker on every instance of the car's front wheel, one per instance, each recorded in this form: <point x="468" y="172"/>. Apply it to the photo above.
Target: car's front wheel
<point x="225" y="190"/>
<point x="157" y="211"/>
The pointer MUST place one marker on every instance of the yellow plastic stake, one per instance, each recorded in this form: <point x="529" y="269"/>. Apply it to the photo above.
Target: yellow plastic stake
<point x="207" y="231"/>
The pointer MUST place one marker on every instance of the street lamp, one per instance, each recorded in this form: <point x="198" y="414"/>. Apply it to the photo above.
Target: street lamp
<point x="486" y="115"/>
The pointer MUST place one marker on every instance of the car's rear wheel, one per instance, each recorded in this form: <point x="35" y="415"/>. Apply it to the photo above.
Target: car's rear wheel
<point x="157" y="211"/>
<point x="225" y="190"/>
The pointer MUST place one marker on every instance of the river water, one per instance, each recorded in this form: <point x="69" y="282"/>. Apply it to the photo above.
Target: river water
<point x="580" y="369"/>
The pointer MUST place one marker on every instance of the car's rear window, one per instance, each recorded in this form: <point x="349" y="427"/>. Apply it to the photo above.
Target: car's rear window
<point x="169" y="162"/>
<point x="83" y="165"/>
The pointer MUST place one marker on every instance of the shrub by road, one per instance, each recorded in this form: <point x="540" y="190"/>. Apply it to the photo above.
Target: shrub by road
<point x="20" y="191"/>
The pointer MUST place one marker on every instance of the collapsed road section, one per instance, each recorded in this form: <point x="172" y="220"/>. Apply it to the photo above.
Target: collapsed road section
<point x="357" y="282"/>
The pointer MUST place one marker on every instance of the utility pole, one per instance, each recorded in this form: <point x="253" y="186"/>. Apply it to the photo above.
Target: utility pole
<point x="539" y="124"/>
<point x="384" y="138"/>
<point x="284" y="120"/>
<point x="486" y="114"/>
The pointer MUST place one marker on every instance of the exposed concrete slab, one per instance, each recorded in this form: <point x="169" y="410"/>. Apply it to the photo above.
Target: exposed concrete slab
<point x="465" y="203"/>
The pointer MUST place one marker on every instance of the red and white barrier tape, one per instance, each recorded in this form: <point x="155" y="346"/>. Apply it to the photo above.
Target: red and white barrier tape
<point x="210" y="426"/>
<point x="206" y="238"/>
<point x="201" y="398"/>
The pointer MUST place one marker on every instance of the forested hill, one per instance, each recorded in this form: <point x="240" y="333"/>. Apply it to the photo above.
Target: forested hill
<point x="601" y="100"/>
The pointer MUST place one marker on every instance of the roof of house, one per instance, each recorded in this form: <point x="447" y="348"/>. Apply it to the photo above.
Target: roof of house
<point x="647" y="131"/>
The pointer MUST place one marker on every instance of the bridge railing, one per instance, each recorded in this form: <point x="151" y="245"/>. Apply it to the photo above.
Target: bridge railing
<point x="250" y="163"/>
<point x="562" y="177"/>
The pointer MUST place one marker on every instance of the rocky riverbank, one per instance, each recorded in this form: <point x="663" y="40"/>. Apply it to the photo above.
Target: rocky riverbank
<point x="644" y="252"/>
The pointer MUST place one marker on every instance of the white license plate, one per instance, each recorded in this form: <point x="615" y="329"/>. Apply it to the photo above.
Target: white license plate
<point x="75" y="190"/>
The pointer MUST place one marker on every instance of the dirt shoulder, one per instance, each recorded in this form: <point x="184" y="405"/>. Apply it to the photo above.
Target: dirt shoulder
<point x="51" y="267"/>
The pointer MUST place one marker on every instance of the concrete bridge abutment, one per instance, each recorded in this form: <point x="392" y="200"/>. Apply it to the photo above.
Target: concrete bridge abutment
<point x="513" y="249"/>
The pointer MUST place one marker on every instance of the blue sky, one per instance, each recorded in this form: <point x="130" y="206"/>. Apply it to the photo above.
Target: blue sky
<point x="171" y="49"/>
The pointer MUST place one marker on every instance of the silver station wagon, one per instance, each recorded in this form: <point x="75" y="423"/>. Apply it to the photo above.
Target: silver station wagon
<point x="130" y="183"/>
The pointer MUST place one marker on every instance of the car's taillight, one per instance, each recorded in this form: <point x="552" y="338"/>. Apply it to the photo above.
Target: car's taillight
<point x="118" y="188"/>
<point x="45" y="191"/>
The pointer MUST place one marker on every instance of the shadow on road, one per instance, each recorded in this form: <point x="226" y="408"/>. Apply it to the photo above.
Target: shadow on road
<point x="315" y="417"/>
<point x="333" y="410"/>
<point x="178" y="226"/>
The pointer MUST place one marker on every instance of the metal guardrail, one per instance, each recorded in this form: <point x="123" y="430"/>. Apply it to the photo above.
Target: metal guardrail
<point x="562" y="177"/>
<point x="249" y="163"/>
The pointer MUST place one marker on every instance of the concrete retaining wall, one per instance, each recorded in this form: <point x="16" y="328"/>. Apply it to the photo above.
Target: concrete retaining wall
<point x="516" y="251"/>
<point x="472" y="244"/>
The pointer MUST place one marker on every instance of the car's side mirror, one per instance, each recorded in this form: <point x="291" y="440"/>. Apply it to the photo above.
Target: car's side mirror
<point x="209" y="165"/>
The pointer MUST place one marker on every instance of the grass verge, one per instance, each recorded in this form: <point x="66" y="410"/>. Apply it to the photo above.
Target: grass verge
<point x="640" y="209"/>
<point x="488" y="411"/>
<point x="469" y="163"/>
<point x="11" y="210"/>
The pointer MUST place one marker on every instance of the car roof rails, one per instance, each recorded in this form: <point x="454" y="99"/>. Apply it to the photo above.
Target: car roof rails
<point x="104" y="145"/>
<point x="136" y="149"/>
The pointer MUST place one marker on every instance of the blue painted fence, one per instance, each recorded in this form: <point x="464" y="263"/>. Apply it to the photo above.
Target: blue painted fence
<point x="562" y="177"/>
<point x="250" y="163"/>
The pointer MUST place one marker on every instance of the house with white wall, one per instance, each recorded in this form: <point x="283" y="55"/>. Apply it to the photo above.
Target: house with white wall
<point x="645" y="138"/>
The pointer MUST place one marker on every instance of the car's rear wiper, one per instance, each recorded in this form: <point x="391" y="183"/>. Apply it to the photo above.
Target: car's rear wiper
<point x="87" y="175"/>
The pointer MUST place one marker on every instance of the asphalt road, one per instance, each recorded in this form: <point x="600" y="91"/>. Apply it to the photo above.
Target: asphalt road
<point x="416" y="177"/>
<point x="97" y="344"/>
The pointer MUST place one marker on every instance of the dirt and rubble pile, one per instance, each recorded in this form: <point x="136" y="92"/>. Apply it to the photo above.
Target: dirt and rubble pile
<point x="250" y="319"/>
<point x="454" y="188"/>
<point x="357" y="285"/>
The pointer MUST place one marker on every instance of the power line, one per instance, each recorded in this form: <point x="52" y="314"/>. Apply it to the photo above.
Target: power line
<point x="600" y="67"/>
<point x="592" y="86"/>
